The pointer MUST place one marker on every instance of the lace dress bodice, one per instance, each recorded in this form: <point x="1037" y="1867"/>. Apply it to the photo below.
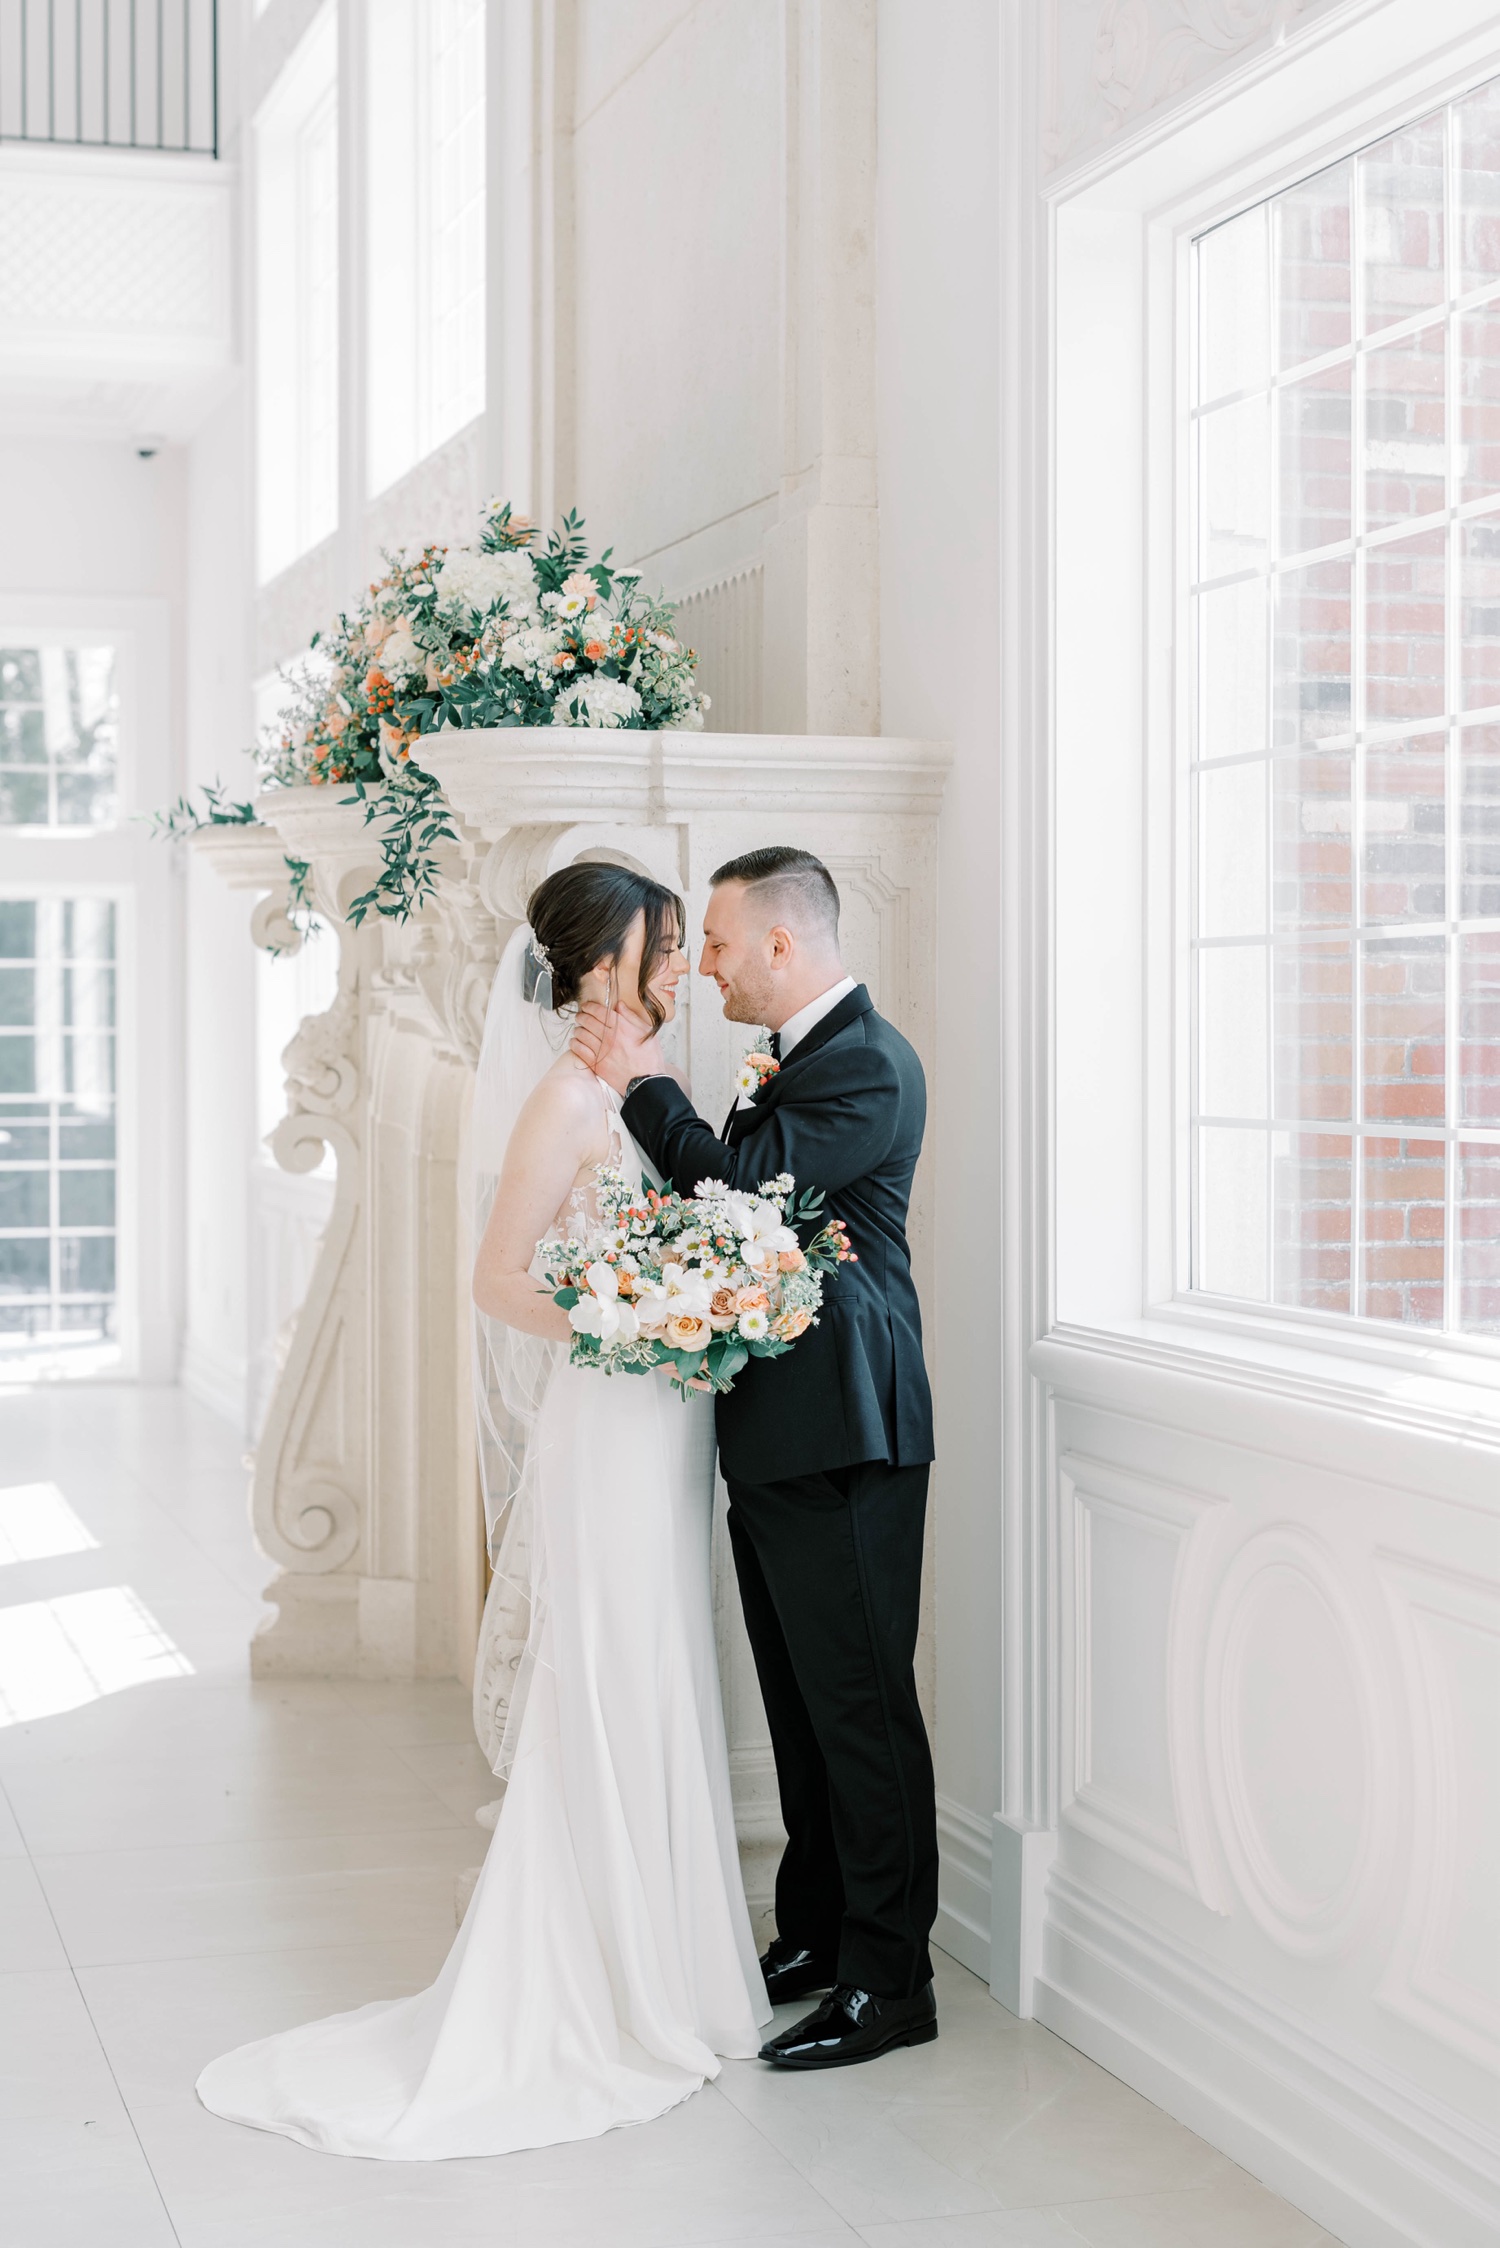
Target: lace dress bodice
<point x="580" y="1215"/>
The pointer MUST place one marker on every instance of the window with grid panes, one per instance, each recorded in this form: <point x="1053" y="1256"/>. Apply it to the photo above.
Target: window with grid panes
<point x="1345" y="598"/>
<point x="57" y="1124"/>
<point x="59" y="717"/>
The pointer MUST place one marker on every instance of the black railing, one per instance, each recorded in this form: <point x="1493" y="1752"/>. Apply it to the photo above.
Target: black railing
<point x="111" y="74"/>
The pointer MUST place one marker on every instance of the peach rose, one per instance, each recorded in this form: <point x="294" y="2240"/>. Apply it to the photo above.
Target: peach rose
<point x="790" y="1260"/>
<point x="791" y="1324"/>
<point x="723" y="1309"/>
<point x="685" y="1331"/>
<point x="752" y="1299"/>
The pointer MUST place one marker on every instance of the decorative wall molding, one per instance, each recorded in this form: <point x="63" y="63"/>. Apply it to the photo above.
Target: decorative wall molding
<point x="1113" y="63"/>
<point x="514" y="778"/>
<point x="114" y="283"/>
<point x="1447" y="1626"/>
<point x="1366" y="2151"/>
<point x="723" y="624"/>
<point x="117" y="258"/>
<point x="963" y="1921"/>
<point x="1287" y="1562"/>
<point x="1152" y="1682"/>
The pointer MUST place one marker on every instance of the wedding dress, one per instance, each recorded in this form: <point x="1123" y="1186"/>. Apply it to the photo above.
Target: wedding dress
<point x="605" y="1962"/>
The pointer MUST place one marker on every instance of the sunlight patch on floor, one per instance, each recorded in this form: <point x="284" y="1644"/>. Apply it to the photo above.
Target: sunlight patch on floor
<point x="36" y="1522"/>
<point x="56" y="1655"/>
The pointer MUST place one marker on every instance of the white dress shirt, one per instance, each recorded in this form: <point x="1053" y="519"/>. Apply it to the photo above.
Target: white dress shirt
<point x="796" y="1027"/>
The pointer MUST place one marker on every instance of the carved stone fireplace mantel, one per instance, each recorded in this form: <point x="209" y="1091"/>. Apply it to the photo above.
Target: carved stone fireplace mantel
<point x="364" y="1487"/>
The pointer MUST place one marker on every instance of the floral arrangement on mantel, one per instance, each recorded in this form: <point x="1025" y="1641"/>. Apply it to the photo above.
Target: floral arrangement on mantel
<point x="505" y="633"/>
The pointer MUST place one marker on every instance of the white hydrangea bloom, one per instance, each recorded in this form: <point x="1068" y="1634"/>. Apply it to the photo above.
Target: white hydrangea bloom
<point x="596" y="701"/>
<point x="471" y="580"/>
<point x="530" y="651"/>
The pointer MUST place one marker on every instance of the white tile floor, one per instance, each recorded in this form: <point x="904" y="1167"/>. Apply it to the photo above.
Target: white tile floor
<point x="194" y="1860"/>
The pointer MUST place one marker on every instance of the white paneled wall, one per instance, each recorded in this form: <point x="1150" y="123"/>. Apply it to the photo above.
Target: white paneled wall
<point x="723" y="625"/>
<point x="1249" y="1844"/>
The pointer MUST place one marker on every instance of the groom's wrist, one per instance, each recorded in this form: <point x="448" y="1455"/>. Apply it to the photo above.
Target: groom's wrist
<point x="644" y="1079"/>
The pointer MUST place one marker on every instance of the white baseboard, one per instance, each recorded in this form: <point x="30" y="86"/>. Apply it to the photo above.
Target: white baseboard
<point x="1364" y="2152"/>
<point x="963" y="1922"/>
<point x="1020" y="1856"/>
<point x="215" y="1378"/>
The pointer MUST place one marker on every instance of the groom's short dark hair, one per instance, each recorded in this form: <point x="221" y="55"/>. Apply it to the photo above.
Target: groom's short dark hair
<point x="795" y="877"/>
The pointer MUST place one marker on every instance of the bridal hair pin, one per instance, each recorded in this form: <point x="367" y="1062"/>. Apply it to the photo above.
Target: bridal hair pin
<point x="536" y="972"/>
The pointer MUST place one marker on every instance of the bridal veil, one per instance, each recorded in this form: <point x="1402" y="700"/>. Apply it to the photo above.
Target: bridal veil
<point x="522" y="1039"/>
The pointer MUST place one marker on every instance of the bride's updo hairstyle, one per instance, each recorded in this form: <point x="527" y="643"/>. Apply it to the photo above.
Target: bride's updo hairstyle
<point x="582" y="914"/>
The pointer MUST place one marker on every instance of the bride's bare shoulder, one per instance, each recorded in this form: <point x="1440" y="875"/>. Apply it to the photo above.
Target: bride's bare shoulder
<point x="569" y="1099"/>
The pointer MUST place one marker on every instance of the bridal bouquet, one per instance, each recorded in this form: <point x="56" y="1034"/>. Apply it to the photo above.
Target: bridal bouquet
<point x="700" y="1283"/>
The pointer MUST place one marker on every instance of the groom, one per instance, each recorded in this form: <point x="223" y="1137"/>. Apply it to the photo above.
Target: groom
<point x="826" y="1453"/>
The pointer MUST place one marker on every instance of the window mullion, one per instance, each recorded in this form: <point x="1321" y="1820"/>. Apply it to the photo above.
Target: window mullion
<point x="1452" y="759"/>
<point x="1357" y="668"/>
<point x="1268" y="908"/>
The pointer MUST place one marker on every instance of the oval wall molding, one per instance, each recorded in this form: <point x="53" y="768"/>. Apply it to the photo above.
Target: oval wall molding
<point x="1305" y="1917"/>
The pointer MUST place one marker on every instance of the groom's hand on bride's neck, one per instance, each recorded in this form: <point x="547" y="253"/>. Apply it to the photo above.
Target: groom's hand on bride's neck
<point x="615" y="1046"/>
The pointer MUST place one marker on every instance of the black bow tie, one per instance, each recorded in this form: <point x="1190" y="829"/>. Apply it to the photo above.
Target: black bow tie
<point x="773" y="1040"/>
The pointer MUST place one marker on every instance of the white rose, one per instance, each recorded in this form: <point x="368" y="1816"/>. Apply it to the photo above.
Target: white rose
<point x="399" y="655"/>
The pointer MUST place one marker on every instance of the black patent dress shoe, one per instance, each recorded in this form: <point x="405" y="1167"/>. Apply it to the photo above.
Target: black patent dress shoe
<point x="852" y="2025"/>
<point x="792" y="1971"/>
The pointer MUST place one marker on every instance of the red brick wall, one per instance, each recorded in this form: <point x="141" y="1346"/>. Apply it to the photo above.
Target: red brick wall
<point x="1370" y="762"/>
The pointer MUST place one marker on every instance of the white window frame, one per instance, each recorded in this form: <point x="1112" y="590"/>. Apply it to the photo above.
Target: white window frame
<point x="126" y="864"/>
<point x="403" y="424"/>
<point x="289" y="522"/>
<point x="1122" y="226"/>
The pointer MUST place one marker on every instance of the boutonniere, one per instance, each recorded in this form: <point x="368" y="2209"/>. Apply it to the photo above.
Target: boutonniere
<point x="758" y="1067"/>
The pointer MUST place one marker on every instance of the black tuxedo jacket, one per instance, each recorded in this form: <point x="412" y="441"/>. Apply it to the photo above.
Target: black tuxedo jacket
<point x="845" y="1112"/>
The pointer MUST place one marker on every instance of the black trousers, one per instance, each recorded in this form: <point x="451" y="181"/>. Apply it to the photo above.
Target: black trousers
<point x="830" y="1570"/>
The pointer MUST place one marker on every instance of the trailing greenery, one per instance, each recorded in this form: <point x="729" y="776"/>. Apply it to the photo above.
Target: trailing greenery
<point x="417" y="821"/>
<point x="186" y="817"/>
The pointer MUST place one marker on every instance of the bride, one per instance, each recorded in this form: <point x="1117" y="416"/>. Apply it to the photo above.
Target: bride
<point x="606" y="1959"/>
